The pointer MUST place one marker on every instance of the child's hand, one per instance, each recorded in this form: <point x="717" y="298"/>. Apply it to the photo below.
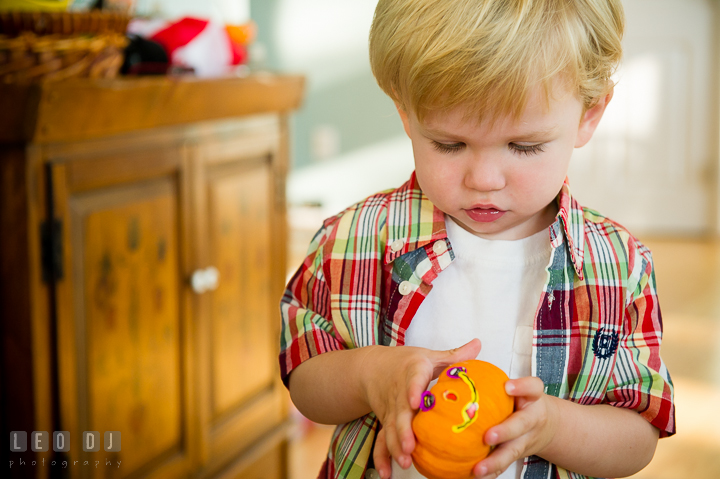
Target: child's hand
<point x="394" y="381"/>
<point x="526" y="432"/>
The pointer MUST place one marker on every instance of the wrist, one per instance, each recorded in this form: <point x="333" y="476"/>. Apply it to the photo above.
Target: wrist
<point x="365" y="365"/>
<point x="553" y="406"/>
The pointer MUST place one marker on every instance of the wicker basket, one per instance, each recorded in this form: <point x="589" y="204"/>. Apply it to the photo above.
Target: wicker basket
<point x="62" y="23"/>
<point x="51" y="46"/>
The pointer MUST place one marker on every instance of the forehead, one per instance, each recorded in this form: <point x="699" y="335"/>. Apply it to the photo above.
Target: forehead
<point x="543" y="112"/>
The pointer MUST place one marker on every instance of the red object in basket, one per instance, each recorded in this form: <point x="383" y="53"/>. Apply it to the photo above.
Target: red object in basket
<point x="179" y="34"/>
<point x="208" y="47"/>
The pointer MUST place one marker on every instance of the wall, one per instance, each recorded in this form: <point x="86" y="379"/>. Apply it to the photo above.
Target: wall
<point x="344" y="112"/>
<point x="326" y="40"/>
<point x="229" y="11"/>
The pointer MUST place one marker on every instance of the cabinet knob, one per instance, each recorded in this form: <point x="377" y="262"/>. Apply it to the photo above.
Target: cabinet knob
<point x="212" y="278"/>
<point x="203" y="280"/>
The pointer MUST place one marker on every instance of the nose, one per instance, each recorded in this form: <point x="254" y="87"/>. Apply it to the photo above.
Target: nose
<point x="484" y="173"/>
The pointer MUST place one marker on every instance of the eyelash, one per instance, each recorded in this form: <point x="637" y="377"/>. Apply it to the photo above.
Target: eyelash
<point x="526" y="150"/>
<point x="444" y="148"/>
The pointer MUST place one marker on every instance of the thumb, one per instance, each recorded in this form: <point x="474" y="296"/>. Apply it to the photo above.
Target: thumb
<point x="465" y="352"/>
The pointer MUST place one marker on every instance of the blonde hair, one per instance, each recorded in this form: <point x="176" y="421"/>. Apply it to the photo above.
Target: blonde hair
<point x="487" y="55"/>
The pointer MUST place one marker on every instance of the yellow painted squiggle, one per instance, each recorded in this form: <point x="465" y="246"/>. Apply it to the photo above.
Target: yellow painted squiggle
<point x="467" y="420"/>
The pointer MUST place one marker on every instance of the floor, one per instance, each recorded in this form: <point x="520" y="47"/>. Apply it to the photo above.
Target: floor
<point x="688" y="277"/>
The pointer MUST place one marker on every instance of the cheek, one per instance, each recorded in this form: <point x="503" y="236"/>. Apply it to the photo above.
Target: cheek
<point x="541" y="182"/>
<point x="436" y="176"/>
<point x="433" y="186"/>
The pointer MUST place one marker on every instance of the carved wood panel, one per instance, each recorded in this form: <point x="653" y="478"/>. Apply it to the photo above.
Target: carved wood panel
<point x="240" y="229"/>
<point x="132" y="319"/>
<point x="240" y="247"/>
<point x="123" y="330"/>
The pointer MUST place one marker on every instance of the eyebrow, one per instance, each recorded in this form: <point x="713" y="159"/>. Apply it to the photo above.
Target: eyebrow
<point x="537" y="134"/>
<point x="525" y="136"/>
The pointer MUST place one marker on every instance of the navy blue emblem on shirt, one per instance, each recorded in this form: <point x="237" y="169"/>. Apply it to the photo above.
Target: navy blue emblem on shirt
<point x="605" y="344"/>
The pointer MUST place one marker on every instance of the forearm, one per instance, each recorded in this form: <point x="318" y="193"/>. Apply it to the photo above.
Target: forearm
<point x="600" y="440"/>
<point x="327" y="388"/>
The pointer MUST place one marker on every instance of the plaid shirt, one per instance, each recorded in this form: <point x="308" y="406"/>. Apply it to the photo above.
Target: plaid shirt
<point x="597" y="329"/>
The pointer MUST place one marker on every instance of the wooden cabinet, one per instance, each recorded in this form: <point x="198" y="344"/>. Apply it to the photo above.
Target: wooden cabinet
<point x="125" y="317"/>
<point x="153" y="261"/>
<point x="241" y="226"/>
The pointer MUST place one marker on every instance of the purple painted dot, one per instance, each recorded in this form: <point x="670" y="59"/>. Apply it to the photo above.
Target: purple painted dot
<point x="455" y="372"/>
<point x="427" y="401"/>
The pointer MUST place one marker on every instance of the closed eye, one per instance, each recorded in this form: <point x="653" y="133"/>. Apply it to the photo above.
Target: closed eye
<point x="527" y="150"/>
<point x="448" y="147"/>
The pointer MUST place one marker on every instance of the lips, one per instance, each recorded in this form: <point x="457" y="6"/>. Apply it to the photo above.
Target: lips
<point x="485" y="213"/>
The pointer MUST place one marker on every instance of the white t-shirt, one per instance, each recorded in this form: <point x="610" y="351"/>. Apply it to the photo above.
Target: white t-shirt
<point x="491" y="291"/>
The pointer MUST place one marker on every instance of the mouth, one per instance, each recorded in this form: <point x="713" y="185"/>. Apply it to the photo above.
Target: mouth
<point x="485" y="213"/>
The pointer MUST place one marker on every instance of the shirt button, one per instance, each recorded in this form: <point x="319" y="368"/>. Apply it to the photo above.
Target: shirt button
<point x="372" y="474"/>
<point x="405" y="288"/>
<point x="439" y="247"/>
<point x="397" y="245"/>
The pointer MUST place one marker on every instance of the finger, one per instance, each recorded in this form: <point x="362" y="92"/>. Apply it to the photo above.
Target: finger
<point x="481" y="472"/>
<point x="443" y="359"/>
<point x="528" y="386"/>
<point x="405" y="432"/>
<point x="388" y="426"/>
<point x="417" y="382"/>
<point x="393" y="445"/>
<point x="381" y="456"/>
<point x="518" y="424"/>
<point x="499" y="460"/>
<point x="492" y="475"/>
<point x="525" y="390"/>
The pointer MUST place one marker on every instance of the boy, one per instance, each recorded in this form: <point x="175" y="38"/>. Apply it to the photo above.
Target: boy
<point x="494" y="95"/>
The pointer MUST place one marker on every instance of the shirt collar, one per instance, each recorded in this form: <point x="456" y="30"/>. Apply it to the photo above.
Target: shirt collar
<point x="414" y="221"/>
<point x="570" y="214"/>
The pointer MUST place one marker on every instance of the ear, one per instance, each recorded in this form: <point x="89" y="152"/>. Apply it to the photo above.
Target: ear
<point x="404" y="117"/>
<point x="591" y="119"/>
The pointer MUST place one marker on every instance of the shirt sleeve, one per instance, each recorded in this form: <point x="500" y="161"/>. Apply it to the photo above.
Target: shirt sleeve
<point x="307" y="329"/>
<point x="640" y="380"/>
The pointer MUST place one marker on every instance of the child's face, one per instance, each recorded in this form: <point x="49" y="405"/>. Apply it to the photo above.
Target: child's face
<point x="500" y="182"/>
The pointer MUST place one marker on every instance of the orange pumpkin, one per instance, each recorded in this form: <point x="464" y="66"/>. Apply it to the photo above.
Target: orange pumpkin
<point x="468" y="399"/>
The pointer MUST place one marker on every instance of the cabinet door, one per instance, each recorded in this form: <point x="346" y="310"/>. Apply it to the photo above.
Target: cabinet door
<point x="242" y="213"/>
<point x="124" y="338"/>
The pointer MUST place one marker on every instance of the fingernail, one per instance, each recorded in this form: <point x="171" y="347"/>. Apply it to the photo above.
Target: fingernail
<point x="509" y="387"/>
<point x="492" y="438"/>
<point x="483" y="470"/>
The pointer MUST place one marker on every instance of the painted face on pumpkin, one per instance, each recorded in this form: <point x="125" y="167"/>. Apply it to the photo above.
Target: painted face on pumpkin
<point x="468" y="399"/>
<point x="467" y="411"/>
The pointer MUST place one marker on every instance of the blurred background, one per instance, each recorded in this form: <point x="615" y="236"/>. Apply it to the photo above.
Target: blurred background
<point x="652" y="166"/>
